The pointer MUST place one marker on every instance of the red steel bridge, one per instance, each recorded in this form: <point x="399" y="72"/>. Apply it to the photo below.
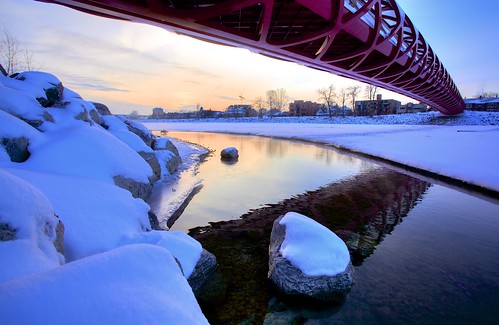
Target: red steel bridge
<point x="369" y="40"/>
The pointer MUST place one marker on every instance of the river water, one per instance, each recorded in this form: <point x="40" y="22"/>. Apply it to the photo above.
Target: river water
<point x="423" y="253"/>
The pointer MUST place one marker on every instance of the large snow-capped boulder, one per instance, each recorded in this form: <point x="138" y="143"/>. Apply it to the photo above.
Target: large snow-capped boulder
<point x="96" y="214"/>
<point x="196" y="263"/>
<point x="15" y="101"/>
<point x="15" y="136"/>
<point x="140" y="130"/>
<point x="102" y="109"/>
<point x="308" y="260"/>
<point x="164" y="143"/>
<point x="45" y="87"/>
<point x="167" y="154"/>
<point x="27" y="229"/>
<point x="134" y="284"/>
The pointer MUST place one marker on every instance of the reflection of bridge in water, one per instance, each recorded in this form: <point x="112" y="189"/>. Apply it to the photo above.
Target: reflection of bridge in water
<point x="361" y="210"/>
<point x="369" y="40"/>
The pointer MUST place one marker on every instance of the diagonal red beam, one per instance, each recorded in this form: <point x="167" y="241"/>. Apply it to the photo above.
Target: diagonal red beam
<point x="368" y="40"/>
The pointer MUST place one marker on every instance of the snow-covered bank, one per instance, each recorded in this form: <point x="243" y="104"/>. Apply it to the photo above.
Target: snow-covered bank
<point x="76" y="240"/>
<point x="464" y="149"/>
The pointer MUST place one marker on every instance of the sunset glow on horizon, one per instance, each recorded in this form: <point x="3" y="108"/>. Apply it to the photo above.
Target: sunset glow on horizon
<point x="130" y="66"/>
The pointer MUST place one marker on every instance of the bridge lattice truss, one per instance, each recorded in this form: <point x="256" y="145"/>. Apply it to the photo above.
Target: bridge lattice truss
<point x="369" y="40"/>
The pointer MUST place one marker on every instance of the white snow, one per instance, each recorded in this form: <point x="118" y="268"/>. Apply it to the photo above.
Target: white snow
<point x="134" y="284"/>
<point x="28" y="212"/>
<point x="183" y="247"/>
<point x="86" y="151"/>
<point x="462" y="147"/>
<point x="313" y="248"/>
<point x="13" y="127"/>
<point x="112" y="277"/>
<point x="120" y="130"/>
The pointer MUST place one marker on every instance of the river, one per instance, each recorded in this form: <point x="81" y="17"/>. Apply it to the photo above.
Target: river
<point x="422" y="252"/>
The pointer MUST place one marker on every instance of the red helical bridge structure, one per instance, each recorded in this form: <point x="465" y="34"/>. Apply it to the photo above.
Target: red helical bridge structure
<point x="368" y="40"/>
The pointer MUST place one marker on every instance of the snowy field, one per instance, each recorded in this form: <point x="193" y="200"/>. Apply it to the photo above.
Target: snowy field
<point x="463" y="147"/>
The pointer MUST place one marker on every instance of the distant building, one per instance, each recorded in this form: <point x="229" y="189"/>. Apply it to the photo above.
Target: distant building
<point x="482" y="104"/>
<point x="241" y="110"/>
<point x="335" y="111"/>
<point x="379" y="106"/>
<point x="158" y="113"/>
<point x="304" y="108"/>
<point x="412" y="108"/>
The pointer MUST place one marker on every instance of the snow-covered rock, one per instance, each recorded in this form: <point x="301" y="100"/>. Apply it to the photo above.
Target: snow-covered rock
<point x="65" y="160"/>
<point x="229" y="153"/>
<point x="164" y="143"/>
<point x="167" y="155"/>
<point x="27" y="229"/>
<point x="196" y="263"/>
<point x="134" y="284"/>
<point x="308" y="260"/>
<point x="205" y="267"/>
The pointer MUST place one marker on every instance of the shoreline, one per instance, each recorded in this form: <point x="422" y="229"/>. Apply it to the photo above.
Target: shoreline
<point x="465" y="161"/>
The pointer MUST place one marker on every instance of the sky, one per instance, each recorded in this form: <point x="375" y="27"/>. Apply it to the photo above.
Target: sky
<point x="135" y="67"/>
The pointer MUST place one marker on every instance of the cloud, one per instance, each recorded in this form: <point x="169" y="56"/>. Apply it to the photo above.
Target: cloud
<point x="228" y="98"/>
<point x="194" y="70"/>
<point x="82" y="82"/>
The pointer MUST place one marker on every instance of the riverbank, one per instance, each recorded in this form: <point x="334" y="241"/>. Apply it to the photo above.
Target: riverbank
<point x="461" y="148"/>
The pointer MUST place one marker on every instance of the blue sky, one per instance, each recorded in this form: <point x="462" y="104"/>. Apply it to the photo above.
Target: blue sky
<point x="131" y="66"/>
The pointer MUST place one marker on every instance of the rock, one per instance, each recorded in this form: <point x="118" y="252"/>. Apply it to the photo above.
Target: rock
<point x="52" y="95"/>
<point x="17" y="148"/>
<point x="291" y="280"/>
<point x="6" y="232"/>
<point x="94" y="115"/>
<point x="141" y="131"/>
<point x="165" y="144"/>
<point x="173" y="163"/>
<point x="102" y="109"/>
<point x="152" y="160"/>
<point x="83" y="116"/>
<point x="59" y="237"/>
<point x="203" y="270"/>
<point x="229" y="153"/>
<point x="153" y="220"/>
<point x="138" y="189"/>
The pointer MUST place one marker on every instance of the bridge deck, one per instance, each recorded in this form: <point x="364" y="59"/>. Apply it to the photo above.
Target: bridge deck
<point x="369" y="40"/>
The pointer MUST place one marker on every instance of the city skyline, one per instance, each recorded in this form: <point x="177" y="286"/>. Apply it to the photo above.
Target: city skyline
<point x="130" y="66"/>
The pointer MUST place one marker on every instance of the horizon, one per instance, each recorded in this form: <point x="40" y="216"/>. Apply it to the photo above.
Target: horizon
<point x="136" y="67"/>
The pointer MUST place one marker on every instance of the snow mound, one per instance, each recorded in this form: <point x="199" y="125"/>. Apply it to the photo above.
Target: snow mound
<point x="184" y="248"/>
<point x="135" y="284"/>
<point x="29" y="223"/>
<point x="86" y="151"/>
<point x="313" y="248"/>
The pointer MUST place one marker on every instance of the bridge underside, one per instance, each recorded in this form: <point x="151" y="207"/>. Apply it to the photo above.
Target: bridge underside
<point x="369" y="40"/>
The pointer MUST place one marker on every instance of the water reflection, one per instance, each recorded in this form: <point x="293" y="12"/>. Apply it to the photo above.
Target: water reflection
<point x="267" y="171"/>
<point x="362" y="209"/>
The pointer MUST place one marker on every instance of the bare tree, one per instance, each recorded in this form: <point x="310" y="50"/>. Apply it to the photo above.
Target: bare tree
<point x="260" y="106"/>
<point x="487" y="94"/>
<point x="370" y="91"/>
<point x="281" y="99"/>
<point x="343" y="96"/>
<point x="353" y="91"/>
<point x="12" y="56"/>
<point x="271" y="100"/>
<point x="327" y="96"/>
<point x="9" y="51"/>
